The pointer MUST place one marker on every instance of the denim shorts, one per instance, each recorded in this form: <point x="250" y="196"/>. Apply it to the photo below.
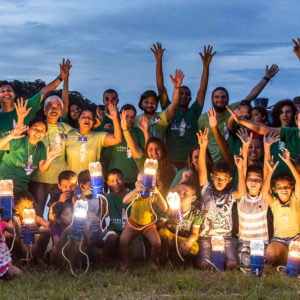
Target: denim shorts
<point x="285" y="241"/>
<point x="205" y="250"/>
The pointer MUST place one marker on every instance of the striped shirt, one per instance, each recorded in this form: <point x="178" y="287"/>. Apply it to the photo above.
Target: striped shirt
<point x="253" y="218"/>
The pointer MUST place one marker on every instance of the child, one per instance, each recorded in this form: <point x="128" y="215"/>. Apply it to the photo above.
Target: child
<point x="99" y="235"/>
<point x="285" y="207"/>
<point x="188" y="230"/>
<point x="60" y="231"/>
<point x="141" y="221"/>
<point x="67" y="181"/>
<point x="7" y="270"/>
<point x="252" y="212"/>
<point x="217" y="201"/>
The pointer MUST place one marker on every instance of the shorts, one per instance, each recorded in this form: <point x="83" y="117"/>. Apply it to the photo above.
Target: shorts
<point x="172" y="241"/>
<point x="137" y="226"/>
<point x="205" y="251"/>
<point x="99" y="238"/>
<point x="285" y="241"/>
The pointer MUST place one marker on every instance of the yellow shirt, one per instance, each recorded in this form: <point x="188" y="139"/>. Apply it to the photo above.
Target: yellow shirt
<point x="141" y="212"/>
<point x="286" y="217"/>
<point x="80" y="153"/>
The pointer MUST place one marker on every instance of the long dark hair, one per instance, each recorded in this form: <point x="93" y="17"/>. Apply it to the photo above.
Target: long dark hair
<point x="277" y="110"/>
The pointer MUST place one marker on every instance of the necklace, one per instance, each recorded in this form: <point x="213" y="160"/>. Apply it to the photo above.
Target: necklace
<point x="29" y="165"/>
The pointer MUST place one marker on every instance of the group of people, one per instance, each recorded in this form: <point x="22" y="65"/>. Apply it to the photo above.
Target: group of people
<point x="235" y="169"/>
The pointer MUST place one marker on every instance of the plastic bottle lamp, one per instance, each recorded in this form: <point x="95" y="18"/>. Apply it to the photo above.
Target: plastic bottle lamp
<point x="6" y="199"/>
<point x="28" y="219"/>
<point x="149" y="177"/>
<point x="293" y="263"/>
<point x="79" y="218"/>
<point x="97" y="181"/>
<point x="218" y="251"/>
<point x="257" y="257"/>
<point x="175" y="211"/>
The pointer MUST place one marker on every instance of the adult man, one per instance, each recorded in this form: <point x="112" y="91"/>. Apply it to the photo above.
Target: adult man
<point x="181" y="133"/>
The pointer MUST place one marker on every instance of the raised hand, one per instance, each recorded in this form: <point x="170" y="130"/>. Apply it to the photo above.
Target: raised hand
<point x="271" y="138"/>
<point x="207" y="55"/>
<point x="143" y="123"/>
<point x="18" y="132"/>
<point x="21" y="108"/>
<point x="54" y="152"/>
<point x="98" y="118"/>
<point x="112" y="111"/>
<point x="296" y="48"/>
<point x="123" y="121"/>
<point x="203" y="137"/>
<point x="271" y="165"/>
<point x="270" y="73"/>
<point x="233" y="114"/>
<point x="65" y="67"/>
<point x="158" y="51"/>
<point x="239" y="161"/>
<point x="212" y="118"/>
<point x="286" y="155"/>
<point x="177" y="79"/>
<point x="244" y="136"/>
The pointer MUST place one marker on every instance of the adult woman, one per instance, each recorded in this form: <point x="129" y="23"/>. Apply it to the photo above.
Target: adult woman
<point x="84" y="146"/>
<point x="73" y="115"/>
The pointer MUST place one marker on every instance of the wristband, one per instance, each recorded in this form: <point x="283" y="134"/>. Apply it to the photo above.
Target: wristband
<point x="125" y="129"/>
<point x="176" y="87"/>
<point x="266" y="79"/>
<point x="59" y="78"/>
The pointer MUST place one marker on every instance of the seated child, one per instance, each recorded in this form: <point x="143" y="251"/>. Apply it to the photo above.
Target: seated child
<point x="217" y="202"/>
<point x="67" y="181"/>
<point x="141" y="222"/>
<point x="7" y="270"/>
<point x="60" y="231"/>
<point x="252" y="213"/>
<point x="188" y="230"/>
<point x="285" y="207"/>
<point x="100" y="236"/>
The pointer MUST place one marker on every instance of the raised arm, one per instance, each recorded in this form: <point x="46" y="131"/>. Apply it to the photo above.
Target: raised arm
<point x="206" y="60"/>
<point x="246" y="139"/>
<point x="269" y="73"/>
<point x="221" y="141"/>
<point x="286" y="157"/>
<point x="269" y="139"/>
<point x="116" y="137"/>
<point x="143" y="125"/>
<point x="266" y="187"/>
<point x="296" y="48"/>
<point x="177" y="81"/>
<point x="55" y="83"/>
<point x="203" y="141"/>
<point x="22" y="110"/>
<point x="133" y="146"/>
<point x="65" y="92"/>
<point x="158" y="52"/>
<point x="254" y="126"/>
<point x="241" y="190"/>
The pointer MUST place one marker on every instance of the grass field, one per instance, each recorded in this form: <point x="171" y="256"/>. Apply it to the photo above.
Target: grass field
<point x="141" y="283"/>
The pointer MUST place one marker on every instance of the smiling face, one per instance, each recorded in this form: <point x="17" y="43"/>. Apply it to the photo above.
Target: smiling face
<point x="116" y="183"/>
<point x="129" y="115"/>
<point x="149" y="105"/>
<point x="219" y="101"/>
<point x="7" y="93"/>
<point x="53" y="109"/>
<point x="254" y="183"/>
<point x="154" y="151"/>
<point x="255" y="150"/>
<point x="36" y="132"/>
<point x="283" y="189"/>
<point x="286" y="116"/>
<point x="75" y="111"/>
<point x="86" y="121"/>
<point x="67" y="185"/>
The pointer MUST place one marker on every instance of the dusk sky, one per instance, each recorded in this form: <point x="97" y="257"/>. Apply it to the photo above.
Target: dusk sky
<point x="108" y="43"/>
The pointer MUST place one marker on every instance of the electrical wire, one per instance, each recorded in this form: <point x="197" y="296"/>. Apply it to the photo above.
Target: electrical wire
<point x="102" y="218"/>
<point x="15" y="234"/>
<point x="176" y="241"/>
<point x="216" y="268"/>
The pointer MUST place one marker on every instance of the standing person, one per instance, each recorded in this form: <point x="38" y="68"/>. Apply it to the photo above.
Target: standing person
<point x="43" y="184"/>
<point x="181" y="133"/>
<point x="120" y="156"/>
<point x="73" y="115"/>
<point x="220" y="99"/>
<point x="84" y="146"/>
<point x="8" y="114"/>
<point x="158" y="122"/>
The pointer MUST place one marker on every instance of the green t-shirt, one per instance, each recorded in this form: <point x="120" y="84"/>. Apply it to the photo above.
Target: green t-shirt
<point x="55" y="134"/>
<point x="120" y="156"/>
<point x="181" y="133"/>
<point x="14" y="160"/>
<point x="117" y="211"/>
<point x="222" y="119"/>
<point x="177" y="178"/>
<point x="83" y="149"/>
<point x="8" y="119"/>
<point x="106" y="120"/>
<point x="157" y="125"/>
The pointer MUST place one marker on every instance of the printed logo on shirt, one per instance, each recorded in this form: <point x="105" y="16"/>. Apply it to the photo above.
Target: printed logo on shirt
<point x="155" y="120"/>
<point x="27" y="166"/>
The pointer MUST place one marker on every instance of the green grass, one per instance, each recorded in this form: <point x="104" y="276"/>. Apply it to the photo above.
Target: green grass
<point x="141" y="283"/>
